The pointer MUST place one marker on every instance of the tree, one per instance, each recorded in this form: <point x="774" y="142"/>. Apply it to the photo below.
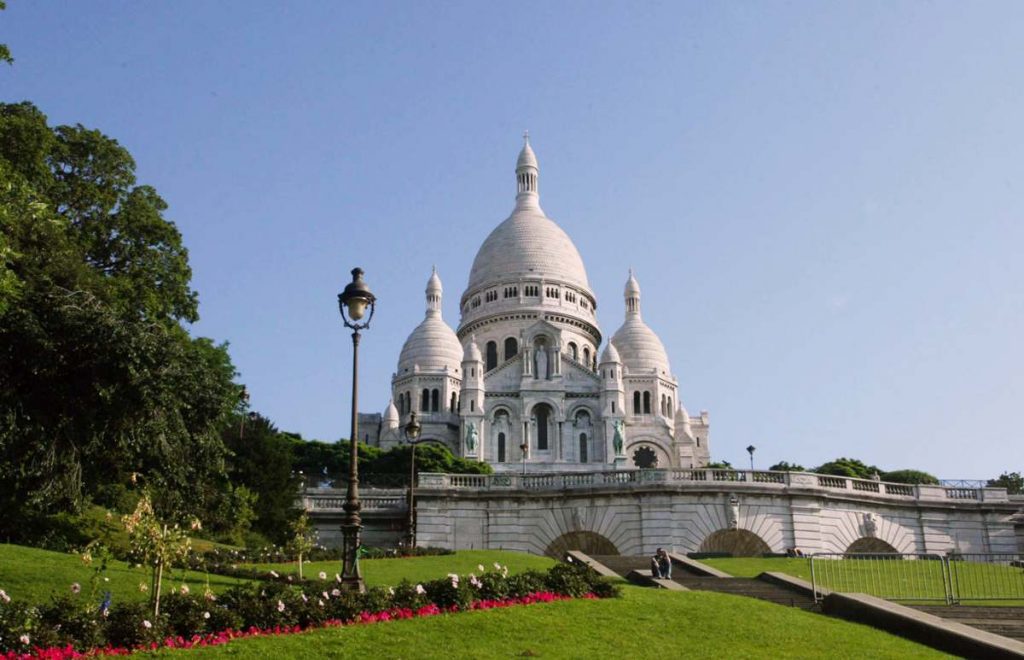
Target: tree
<point x="720" y="465"/>
<point x="848" y="467"/>
<point x="98" y="378"/>
<point x="1013" y="482"/>
<point x="303" y="538"/>
<point x="783" y="466"/>
<point x="5" y="52"/>
<point x="909" y="477"/>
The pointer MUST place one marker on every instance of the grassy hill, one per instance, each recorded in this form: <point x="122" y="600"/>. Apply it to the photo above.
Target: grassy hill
<point x="644" y="623"/>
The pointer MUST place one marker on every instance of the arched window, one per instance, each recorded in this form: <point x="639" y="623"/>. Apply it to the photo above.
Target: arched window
<point x="613" y="407"/>
<point x="511" y="348"/>
<point x="501" y="447"/>
<point x="542" y="414"/>
<point x="425" y="401"/>
<point x="671" y="410"/>
<point x="408" y="402"/>
<point x="663" y="413"/>
<point x="453" y="405"/>
<point x="492" y="355"/>
<point x="647" y="403"/>
<point x="434" y="401"/>
<point x="636" y="403"/>
<point x="574" y="352"/>
<point x="586" y="357"/>
<point x="472" y="405"/>
<point x="583" y="447"/>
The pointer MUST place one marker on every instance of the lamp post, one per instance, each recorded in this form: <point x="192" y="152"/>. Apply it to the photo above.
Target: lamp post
<point x="355" y="299"/>
<point x="412" y="434"/>
<point x="750" y="450"/>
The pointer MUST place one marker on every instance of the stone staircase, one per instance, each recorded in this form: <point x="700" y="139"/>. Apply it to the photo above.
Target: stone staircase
<point x="1005" y="621"/>
<point x="750" y="587"/>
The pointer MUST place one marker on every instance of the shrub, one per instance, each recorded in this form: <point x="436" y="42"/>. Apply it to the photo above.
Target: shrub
<point x="186" y="614"/>
<point x="406" y="597"/>
<point x="18" y="621"/>
<point x="570" y="579"/>
<point x="70" y="620"/>
<point x="126" y="625"/>
<point x="526" y="583"/>
<point x="450" y="592"/>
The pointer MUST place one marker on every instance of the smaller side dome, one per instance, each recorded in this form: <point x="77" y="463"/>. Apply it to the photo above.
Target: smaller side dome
<point x="391" y="416"/>
<point x="472" y="352"/>
<point x="432" y="345"/>
<point x="610" y="354"/>
<point x="640" y="348"/>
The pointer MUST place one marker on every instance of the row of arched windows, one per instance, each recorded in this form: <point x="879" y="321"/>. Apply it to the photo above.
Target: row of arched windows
<point x="645" y="409"/>
<point x="430" y="401"/>
<point x="491" y="352"/>
<point x="529" y="291"/>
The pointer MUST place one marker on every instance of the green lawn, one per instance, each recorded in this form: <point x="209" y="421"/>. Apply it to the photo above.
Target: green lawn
<point x="904" y="580"/>
<point x="387" y="572"/>
<point x="33" y="575"/>
<point x="645" y="623"/>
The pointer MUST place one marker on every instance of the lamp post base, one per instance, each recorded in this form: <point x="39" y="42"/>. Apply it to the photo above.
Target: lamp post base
<point x="351" y="576"/>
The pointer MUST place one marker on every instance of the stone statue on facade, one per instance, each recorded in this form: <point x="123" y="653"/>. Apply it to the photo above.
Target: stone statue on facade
<point x="542" y="363"/>
<point x="870" y="525"/>
<point x="471" y="437"/>
<point x="734" y="512"/>
<point x="619" y="440"/>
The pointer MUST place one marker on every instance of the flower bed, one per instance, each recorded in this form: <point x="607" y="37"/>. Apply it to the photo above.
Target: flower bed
<point x="71" y="625"/>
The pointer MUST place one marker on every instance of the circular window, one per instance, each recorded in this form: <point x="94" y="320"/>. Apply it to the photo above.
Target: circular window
<point x="645" y="457"/>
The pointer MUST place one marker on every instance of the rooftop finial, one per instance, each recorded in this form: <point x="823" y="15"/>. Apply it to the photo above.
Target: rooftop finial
<point x="526" y="136"/>
<point x="526" y="171"/>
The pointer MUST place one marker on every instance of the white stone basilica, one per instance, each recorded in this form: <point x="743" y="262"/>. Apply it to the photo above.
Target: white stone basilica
<point x="520" y="385"/>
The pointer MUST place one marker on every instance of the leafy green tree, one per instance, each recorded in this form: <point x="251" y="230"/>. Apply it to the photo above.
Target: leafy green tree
<point x="783" y="466"/>
<point x="303" y="539"/>
<point x="98" y="378"/>
<point x="909" y="477"/>
<point x="848" y="467"/>
<point x="5" y="52"/>
<point x="430" y="457"/>
<point x="720" y="465"/>
<point x="1013" y="482"/>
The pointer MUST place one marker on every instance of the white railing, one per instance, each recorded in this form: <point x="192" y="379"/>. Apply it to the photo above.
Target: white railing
<point x="706" y="478"/>
<point x="326" y="502"/>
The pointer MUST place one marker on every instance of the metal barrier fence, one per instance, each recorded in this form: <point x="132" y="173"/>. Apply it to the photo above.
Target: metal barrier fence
<point x="917" y="577"/>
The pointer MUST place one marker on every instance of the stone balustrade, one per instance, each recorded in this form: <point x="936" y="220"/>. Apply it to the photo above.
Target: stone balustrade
<point x="745" y="480"/>
<point x="330" y="500"/>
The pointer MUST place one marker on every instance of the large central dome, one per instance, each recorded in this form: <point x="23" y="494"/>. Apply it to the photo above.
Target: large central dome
<point x="528" y="243"/>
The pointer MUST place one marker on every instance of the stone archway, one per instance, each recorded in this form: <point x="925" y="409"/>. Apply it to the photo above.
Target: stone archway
<point x="737" y="542"/>
<point x="590" y="543"/>
<point x="870" y="545"/>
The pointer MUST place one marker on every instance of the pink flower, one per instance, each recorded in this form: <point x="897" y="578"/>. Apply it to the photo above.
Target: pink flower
<point x="325" y="595"/>
<point x="146" y="624"/>
<point x="24" y="639"/>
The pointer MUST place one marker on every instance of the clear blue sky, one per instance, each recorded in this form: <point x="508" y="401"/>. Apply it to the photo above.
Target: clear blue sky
<point x="823" y="202"/>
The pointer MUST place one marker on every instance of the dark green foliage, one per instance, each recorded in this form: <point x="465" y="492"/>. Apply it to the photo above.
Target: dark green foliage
<point x="783" y="466"/>
<point x="126" y="625"/>
<point x="72" y="620"/>
<point x="185" y="613"/>
<point x="525" y="583"/>
<point x="572" y="579"/>
<point x="848" y="467"/>
<point x="909" y="477"/>
<point x="430" y="457"/>
<point x="449" y="593"/>
<point x="1013" y="482"/>
<point x="98" y="378"/>
<point x="720" y="465"/>
<point x="406" y="596"/>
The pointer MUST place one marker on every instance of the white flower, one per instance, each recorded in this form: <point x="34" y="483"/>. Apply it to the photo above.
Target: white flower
<point x="497" y="566"/>
<point x="304" y="599"/>
<point x="142" y="587"/>
<point x="4" y="597"/>
<point x="146" y="624"/>
<point x="319" y="602"/>
<point x="75" y="587"/>
<point x="480" y="567"/>
<point x="280" y="606"/>
<point x="337" y="578"/>
<point x="184" y="590"/>
<point x="274" y="573"/>
<point x="420" y="590"/>
<point x="391" y="590"/>
<point x="475" y="582"/>
<point x="206" y="615"/>
<point x="335" y="592"/>
<point x="24" y="639"/>
<point x="323" y="575"/>
<point x="326" y="597"/>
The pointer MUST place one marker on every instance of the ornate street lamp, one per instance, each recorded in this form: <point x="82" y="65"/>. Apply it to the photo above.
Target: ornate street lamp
<point x="750" y="450"/>
<point x="411" y="431"/>
<point x="355" y="299"/>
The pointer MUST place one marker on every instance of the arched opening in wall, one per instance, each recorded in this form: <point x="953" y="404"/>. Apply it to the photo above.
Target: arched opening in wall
<point x="501" y="447"/>
<point x="583" y="448"/>
<point x="574" y="351"/>
<point x="542" y="416"/>
<point x="511" y="348"/>
<point x="452" y="405"/>
<point x="870" y="545"/>
<point x="636" y="403"/>
<point x="492" y="355"/>
<point x="586" y="357"/>
<point x="435" y="401"/>
<point x="647" y="403"/>
<point x="736" y="542"/>
<point x="590" y="543"/>
<point x="425" y="401"/>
